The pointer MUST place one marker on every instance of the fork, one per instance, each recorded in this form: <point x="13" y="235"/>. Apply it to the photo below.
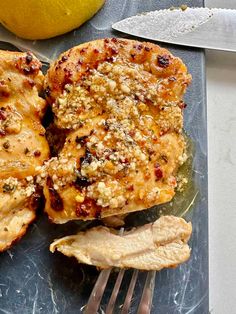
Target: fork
<point x="100" y="285"/>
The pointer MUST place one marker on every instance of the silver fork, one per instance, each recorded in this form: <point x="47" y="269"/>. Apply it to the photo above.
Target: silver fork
<point x="100" y="285"/>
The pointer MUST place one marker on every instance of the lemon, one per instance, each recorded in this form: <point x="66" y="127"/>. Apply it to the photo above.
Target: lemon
<point x="41" y="19"/>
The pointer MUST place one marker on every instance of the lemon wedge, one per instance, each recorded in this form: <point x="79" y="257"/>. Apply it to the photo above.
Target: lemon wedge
<point x="41" y="19"/>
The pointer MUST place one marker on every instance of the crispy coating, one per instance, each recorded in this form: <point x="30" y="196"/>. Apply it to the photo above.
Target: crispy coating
<point x="23" y="146"/>
<point x="120" y="102"/>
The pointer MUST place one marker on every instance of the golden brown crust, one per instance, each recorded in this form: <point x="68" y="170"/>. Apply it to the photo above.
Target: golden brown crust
<point x="73" y="64"/>
<point x="23" y="147"/>
<point x="121" y="103"/>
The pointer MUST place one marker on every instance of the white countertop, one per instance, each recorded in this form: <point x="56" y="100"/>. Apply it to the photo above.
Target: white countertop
<point x="221" y="108"/>
<point x="221" y="89"/>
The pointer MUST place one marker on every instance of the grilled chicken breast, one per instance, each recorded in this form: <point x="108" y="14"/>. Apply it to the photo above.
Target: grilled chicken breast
<point x="23" y="147"/>
<point x="151" y="247"/>
<point x="120" y="103"/>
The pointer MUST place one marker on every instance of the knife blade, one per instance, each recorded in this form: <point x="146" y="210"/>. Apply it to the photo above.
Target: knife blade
<point x="194" y="27"/>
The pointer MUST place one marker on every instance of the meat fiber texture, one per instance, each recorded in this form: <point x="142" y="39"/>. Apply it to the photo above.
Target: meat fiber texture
<point x="151" y="247"/>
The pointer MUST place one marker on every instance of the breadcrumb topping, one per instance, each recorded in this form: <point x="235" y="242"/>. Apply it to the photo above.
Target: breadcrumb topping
<point x="125" y="139"/>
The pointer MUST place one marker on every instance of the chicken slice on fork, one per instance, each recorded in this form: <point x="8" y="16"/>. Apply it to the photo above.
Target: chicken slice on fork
<point x="151" y="247"/>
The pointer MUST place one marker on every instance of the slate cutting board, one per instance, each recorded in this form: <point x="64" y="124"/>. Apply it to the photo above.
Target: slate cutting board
<point x="34" y="281"/>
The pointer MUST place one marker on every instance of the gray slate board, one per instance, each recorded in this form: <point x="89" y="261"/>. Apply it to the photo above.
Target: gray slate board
<point x="32" y="280"/>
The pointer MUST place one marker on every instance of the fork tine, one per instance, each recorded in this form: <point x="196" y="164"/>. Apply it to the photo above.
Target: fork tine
<point x="111" y="304"/>
<point x="146" y="300"/>
<point x="97" y="293"/>
<point x="98" y="290"/>
<point x="130" y="291"/>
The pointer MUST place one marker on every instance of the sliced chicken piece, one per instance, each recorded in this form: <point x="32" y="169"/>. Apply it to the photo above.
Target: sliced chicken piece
<point x="17" y="210"/>
<point x="23" y="147"/>
<point x="120" y="102"/>
<point x="151" y="247"/>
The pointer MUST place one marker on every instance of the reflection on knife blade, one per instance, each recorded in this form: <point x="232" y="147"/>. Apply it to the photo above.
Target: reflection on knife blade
<point x="167" y="23"/>
<point x="194" y="27"/>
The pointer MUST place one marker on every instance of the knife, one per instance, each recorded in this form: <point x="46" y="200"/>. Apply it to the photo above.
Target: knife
<point x="194" y="27"/>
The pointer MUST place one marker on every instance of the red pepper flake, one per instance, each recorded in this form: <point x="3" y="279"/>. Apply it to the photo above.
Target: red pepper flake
<point x="138" y="47"/>
<point x="114" y="51"/>
<point x="37" y="153"/>
<point x="158" y="172"/>
<point x="68" y="75"/>
<point x="2" y="133"/>
<point x="163" y="132"/>
<point x="155" y="139"/>
<point x="83" y="50"/>
<point x="30" y="70"/>
<point x="96" y="50"/>
<point x="182" y="105"/>
<point x="84" y="208"/>
<point x="27" y="65"/>
<point x="132" y="55"/>
<point x="4" y="94"/>
<point x="163" y="61"/>
<point x="106" y="40"/>
<point x="125" y="161"/>
<point x="28" y="58"/>
<point x="114" y="40"/>
<point x="132" y="133"/>
<point x="31" y="83"/>
<point x="130" y="188"/>
<point x="28" y="83"/>
<point x="110" y="59"/>
<point x="63" y="59"/>
<point x="147" y="48"/>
